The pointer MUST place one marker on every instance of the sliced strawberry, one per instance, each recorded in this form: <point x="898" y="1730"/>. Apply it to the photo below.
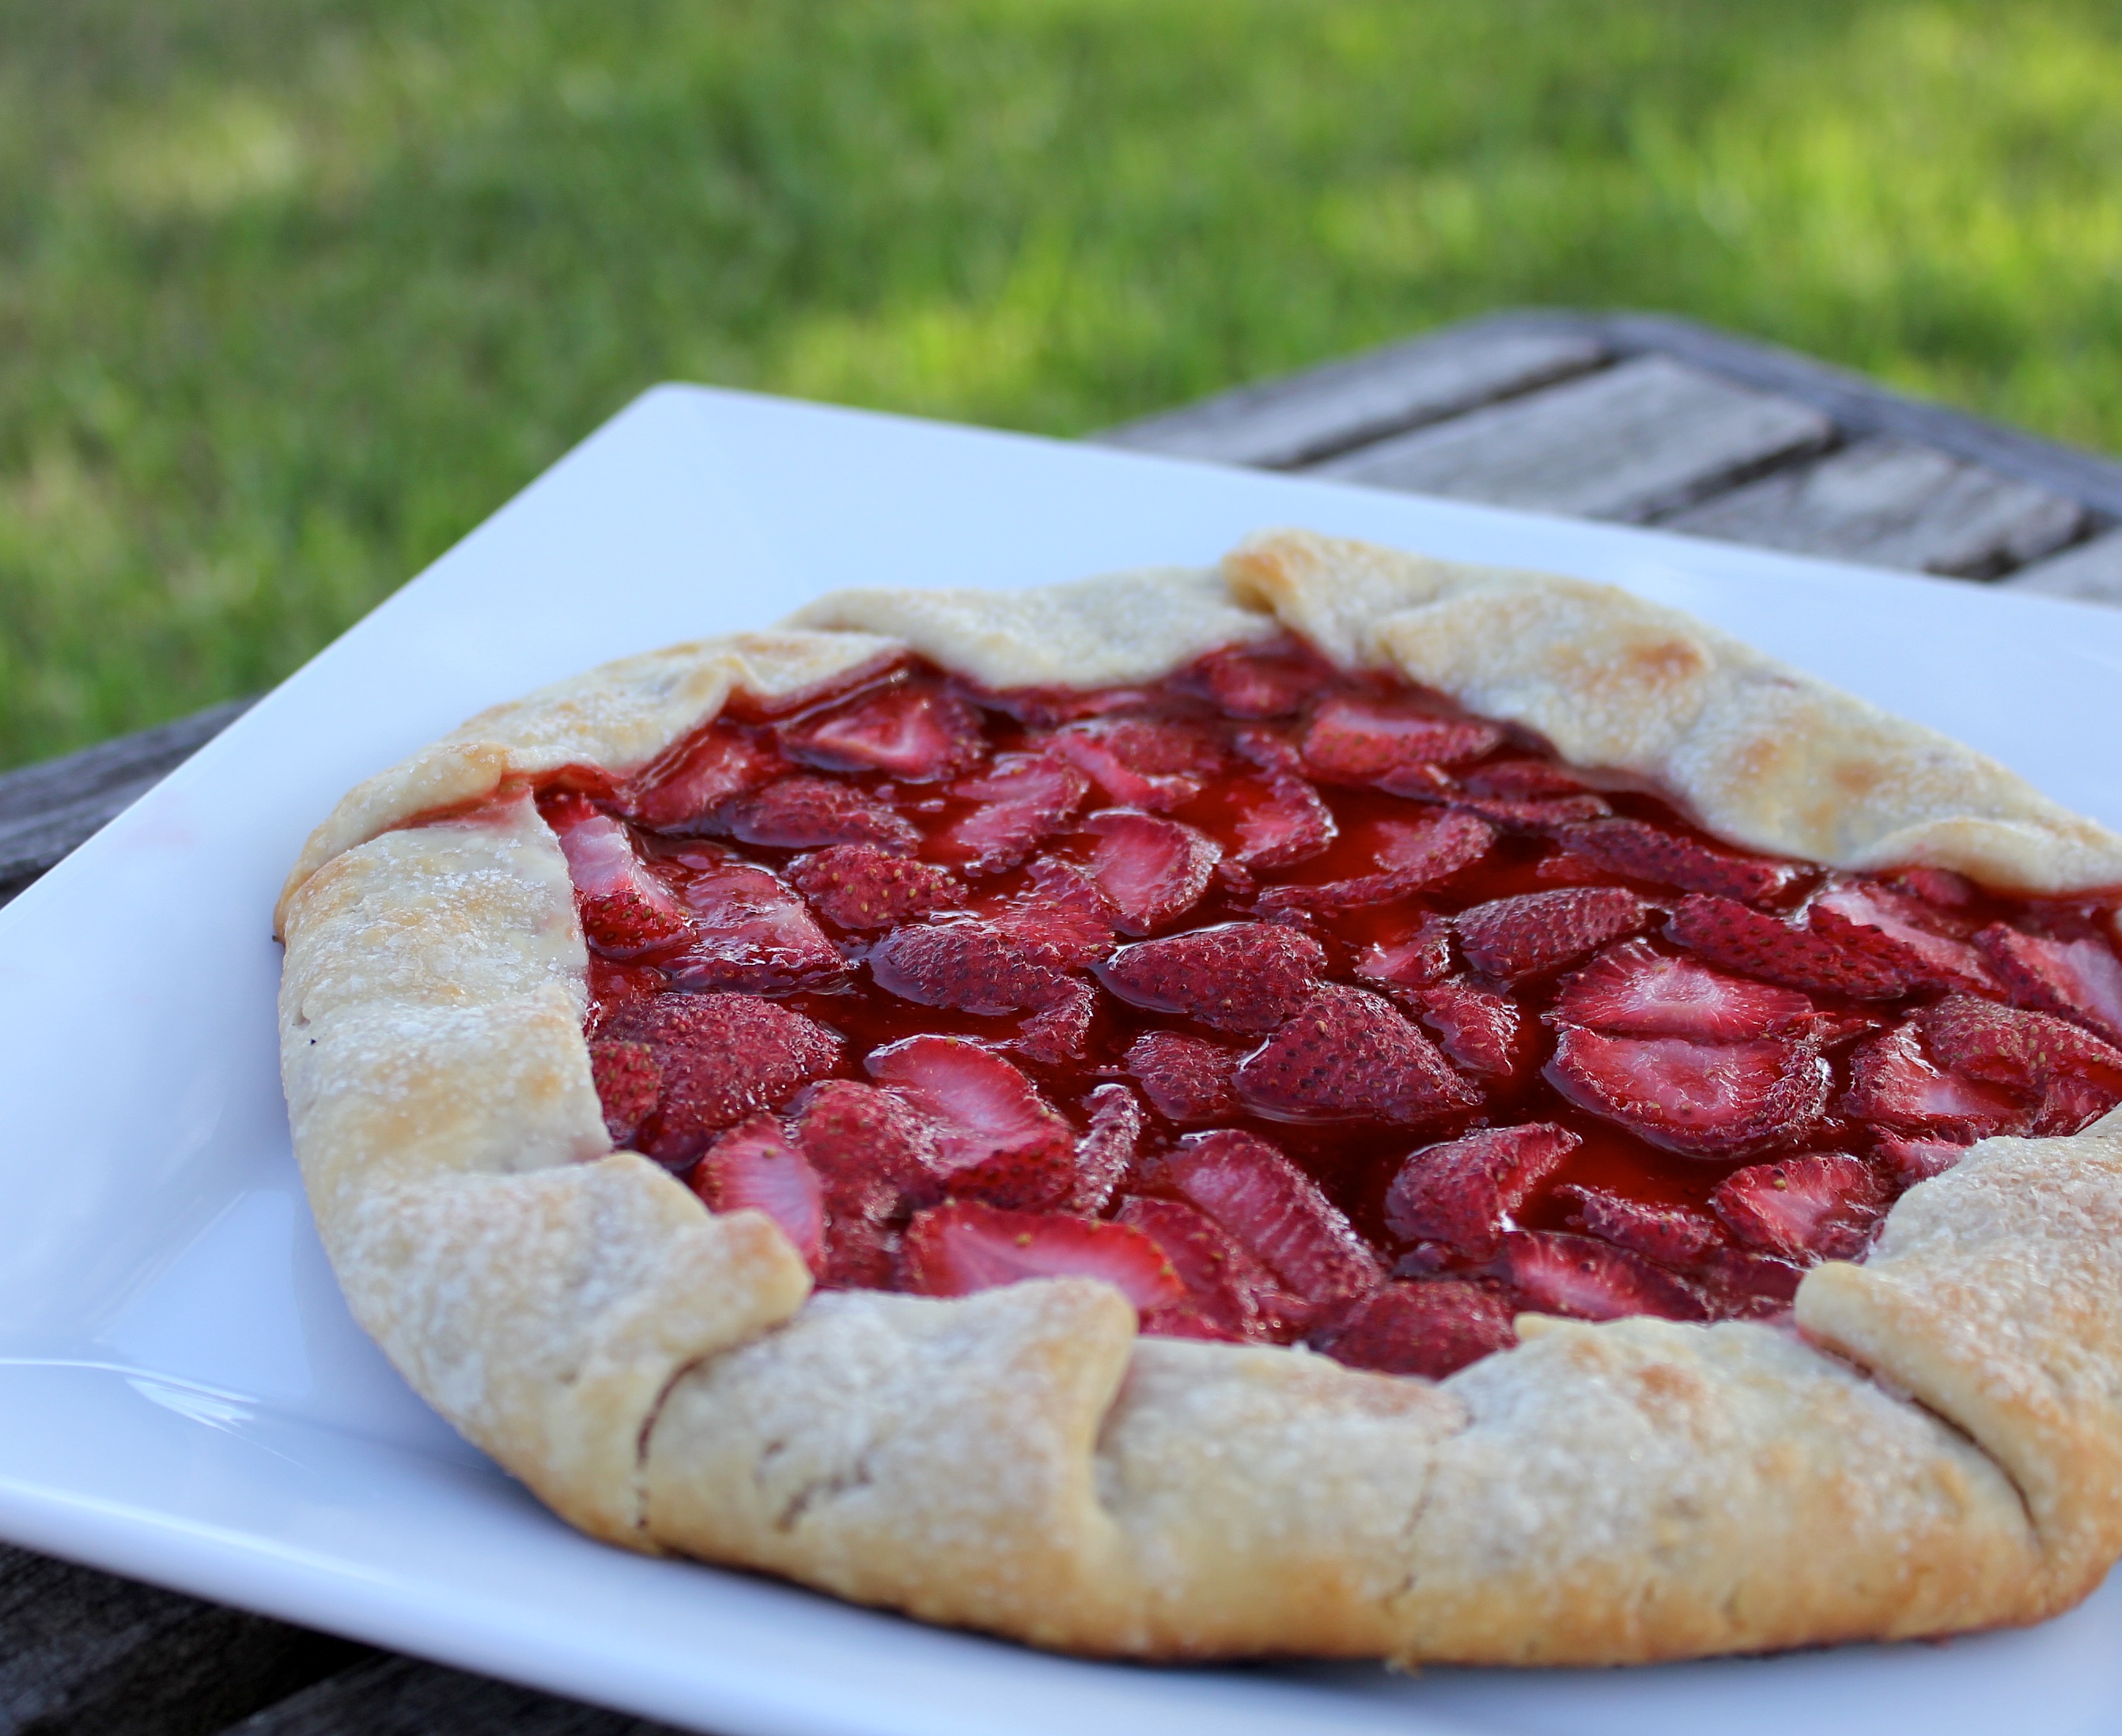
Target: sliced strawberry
<point x="983" y="1107"/>
<point x="914" y="734"/>
<point x="1523" y="780"/>
<point x="1910" y="1160"/>
<point x="626" y="910"/>
<point x="1278" y="820"/>
<point x="858" y="886"/>
<point x="1744" y="1284"/>
<point x="749" y="931"/>
<point x="1891" y="927"/>
<point x="1226" y="1286"/>
<point x="2073" y="1075"/>
<point x="1023" y="799"/>
<point x="1272" y="680"/>
<point x="1410" y="854"/>
<point x="1353" y="740"/>
<point x="1634" y="990"/>
<point x="1462" y="1191"/>
<point x="629" y="1080"/>
<point x="1276" y="1212"/>
<point x="613" y="984"/>
<point x="873" y="1155"/>
<point x="956" y="1249"/>
<point x="1485" y="1033"/>
<point x="753" y="1165"/>
<point x="1637" y="851"/>
<point x="1895" y="1083"/>
<point x="1593" y="1280"/>
<point x="1106" y="1149"/>
<point x="1672" y="1235"/>
<point x="1703" y="1100"/>
<point x="1940" y="888"/>
<point x="681" y="795"/>
<point x="1727" y="932"/>
<point x="803" y="813"/>
<point x="1187" y="1080"/>
<point x="1062" y="917"/>
<point x="1823" y="1206"/>
<point x="1434" y="1328"/>
<point x="1510" y="938"/>
<point x="1139" y="762"/>
<point x="722" y="1056"/>
<point x="1183" y="1320"/>
<point x="1546" y="815"/>
<point x="1154" y="871"/>
<point x="1059" y="1030"/>
<point x="962" y="963"/>
<point x="2079" y="980"/>
<point x="1413" y="959"/>
<point x="1349" y="1054"/>
<point x="1238" y="976"/>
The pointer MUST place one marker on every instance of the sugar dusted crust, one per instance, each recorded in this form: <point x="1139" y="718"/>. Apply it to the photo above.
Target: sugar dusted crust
<point x="1938" y="1447"/>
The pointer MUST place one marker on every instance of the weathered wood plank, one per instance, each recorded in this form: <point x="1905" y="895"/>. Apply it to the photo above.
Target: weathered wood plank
<point x="397" y="1697"/>
<point x="1638" y="439"/>
<point x="2092" y="572"/>
<point x="1300" y="418"/>
<point x="49" y="809"/>
<point x="1895" y="504"/>
<point x="84" y="1653"/>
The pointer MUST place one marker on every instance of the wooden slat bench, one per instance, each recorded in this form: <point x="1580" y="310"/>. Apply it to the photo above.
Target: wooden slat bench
<point x="1632" y="418"/>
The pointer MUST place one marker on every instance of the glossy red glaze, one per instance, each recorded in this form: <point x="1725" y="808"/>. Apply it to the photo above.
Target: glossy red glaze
<point x="1217" y="755"/>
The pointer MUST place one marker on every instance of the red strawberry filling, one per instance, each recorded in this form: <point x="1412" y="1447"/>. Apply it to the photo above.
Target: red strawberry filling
<point x="1301" y="1007"/>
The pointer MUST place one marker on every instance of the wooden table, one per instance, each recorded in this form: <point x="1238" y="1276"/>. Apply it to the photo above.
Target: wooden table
<point x="1631" y="417"/>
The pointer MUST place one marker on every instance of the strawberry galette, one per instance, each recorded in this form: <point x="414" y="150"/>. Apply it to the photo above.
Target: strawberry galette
<point x="1343" y="1105"/>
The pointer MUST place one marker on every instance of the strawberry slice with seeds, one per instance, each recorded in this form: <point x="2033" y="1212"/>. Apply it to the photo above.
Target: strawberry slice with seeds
<point x="1636" y="850"/>
<point x="1414" y="958"/>
<point x="722" y="1056"/>
<point x="1462" y="1191"/>
<point x="1744" y="1284"/>
<point x="613" y="984"/>
<point x="754" y="1167"/>
<point x="1154" y="871"/>
<point x="629" y="1080"/>
<point x="1523" y="780"/>
<point x="1257" y="681"/>
<point x="1106" y="1149"/>
<point x="1410" y="854"/>
<point x="801" y="813"/>
<point x="1672" y="1235"/>
<point x="1434" y="1327"/>
<point x="1756" y="944"/>
<point x="1895" y="1083"/>
<point x="1510" y="938"/>
<point x="858" y="886"/>
<point x="1062" y="917"/>
<point x="625" y="910"/>
<point x="914" y="734"/>
<point x="1891" y="927"/>
<point x="962" y="963"/>
<point x="2077" y="979"/>
<point x="1276" y="1212"/>
<point x="1910" y="1160"/>
<point x="2074" y="1076"/>
<point x="1060" y="1031"/>
<point x="1562" y="1273"/>
<point x="956" y="1249"/>
<point x="678" y="795"/>
<point x="1354" y="740"/>
<point x="1278" y="820"/>
<point x="1139" y="762"/>
<point x="1822" y="1206"/>
<point x="873" y="1154"/>
<point x="1226" y="1287"/>
<point x="1634" y="991"/>
<point x="1349" y="1054"/>
<point x="1699" y="1099"/>
<point x="1187" y="1080"/>
<point x="982" y="1105"/>
<point x="1246" y="976"/>
<point x="1546" y="815"/>
<point x="1023" y="800"/>
<point x="749" y="931"/>
<point x="1486" y="1033"/>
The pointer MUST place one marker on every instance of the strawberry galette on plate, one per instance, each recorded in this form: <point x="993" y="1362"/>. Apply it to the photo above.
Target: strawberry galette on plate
<point x="1342" y="1105"/>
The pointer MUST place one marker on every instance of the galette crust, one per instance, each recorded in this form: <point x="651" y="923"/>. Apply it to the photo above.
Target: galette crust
<point x="1936" y="1447"/>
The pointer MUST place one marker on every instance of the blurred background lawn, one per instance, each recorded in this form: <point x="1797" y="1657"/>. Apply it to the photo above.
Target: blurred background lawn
<point x="293" y="293"/>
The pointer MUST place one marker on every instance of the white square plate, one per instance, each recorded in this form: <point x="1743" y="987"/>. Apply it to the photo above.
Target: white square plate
<point x="183" y="1396"/>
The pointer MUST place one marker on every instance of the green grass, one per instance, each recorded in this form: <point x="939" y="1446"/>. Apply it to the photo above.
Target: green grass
<point x="293" y="293"/>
